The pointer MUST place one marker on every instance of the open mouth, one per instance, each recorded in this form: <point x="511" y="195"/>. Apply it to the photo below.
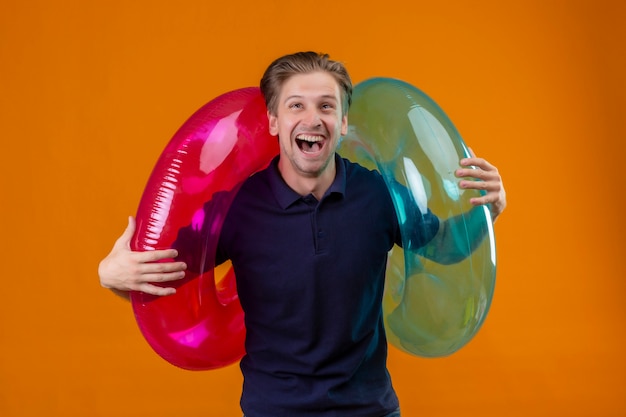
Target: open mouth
<point x="310" y="143"/>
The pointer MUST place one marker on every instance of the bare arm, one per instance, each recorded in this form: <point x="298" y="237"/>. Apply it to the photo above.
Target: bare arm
<point x="124" y="270"/>
<point x="450" y="244"/>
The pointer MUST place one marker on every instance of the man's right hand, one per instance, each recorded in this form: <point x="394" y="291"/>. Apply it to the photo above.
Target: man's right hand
<point x="124" y="270"/>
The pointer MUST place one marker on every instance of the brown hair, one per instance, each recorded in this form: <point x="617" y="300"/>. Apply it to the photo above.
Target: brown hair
<point x="285" y="67"/>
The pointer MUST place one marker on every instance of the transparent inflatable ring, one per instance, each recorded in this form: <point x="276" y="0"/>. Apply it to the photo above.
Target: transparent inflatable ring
<point x="436" y="297"/>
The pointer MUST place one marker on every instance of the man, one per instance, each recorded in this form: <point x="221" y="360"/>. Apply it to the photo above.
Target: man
<point x="308" y="238"/>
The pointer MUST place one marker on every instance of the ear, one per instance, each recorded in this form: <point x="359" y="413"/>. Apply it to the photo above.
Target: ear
<point x="273" y="124"/>
<point x="344" y="125"/>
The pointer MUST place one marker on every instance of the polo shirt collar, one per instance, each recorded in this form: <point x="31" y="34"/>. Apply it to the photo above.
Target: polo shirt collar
<point x="285" y="196"/>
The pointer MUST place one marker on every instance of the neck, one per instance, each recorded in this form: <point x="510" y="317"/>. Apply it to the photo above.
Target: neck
<point x="306" y="183"/>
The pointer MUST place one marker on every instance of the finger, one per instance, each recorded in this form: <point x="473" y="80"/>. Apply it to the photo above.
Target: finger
<point x="475" y="185"/>
<point x="482" y="164"/>
<point x="159" y="268"/>
<point x="480" y="201"/>
<point x="477" y="173"/>
<point x="164" y="277"/>
<point x="156" y="290"/>
<point x="471" y="173"/>
<point x="127" y="235"/>
<point x="485" y="173"/>
<point x="486" y="165"/>
<point x="156" y="255"/>
<point x="473" y="160"/>
<point x="488" y="197"/>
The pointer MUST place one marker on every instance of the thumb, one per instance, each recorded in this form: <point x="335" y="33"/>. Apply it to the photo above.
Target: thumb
<point x="124" y="239"/>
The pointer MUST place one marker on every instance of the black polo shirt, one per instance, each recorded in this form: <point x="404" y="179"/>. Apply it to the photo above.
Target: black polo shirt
<point x="310" y="278"/>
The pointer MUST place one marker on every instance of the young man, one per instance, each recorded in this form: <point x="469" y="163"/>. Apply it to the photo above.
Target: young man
<point x="308" y="238"/>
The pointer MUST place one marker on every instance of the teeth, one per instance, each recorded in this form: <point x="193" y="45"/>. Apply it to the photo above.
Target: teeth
<point x="309" y="138"/>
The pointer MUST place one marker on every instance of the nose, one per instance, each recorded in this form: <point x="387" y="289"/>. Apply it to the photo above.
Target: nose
<point x="312" y="118"/>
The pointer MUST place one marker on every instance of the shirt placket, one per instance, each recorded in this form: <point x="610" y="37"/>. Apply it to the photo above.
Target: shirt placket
<point x="318" y="229"/>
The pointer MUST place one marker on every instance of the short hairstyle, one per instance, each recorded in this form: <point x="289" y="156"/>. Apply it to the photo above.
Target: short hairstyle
<point x="287" y="66"/>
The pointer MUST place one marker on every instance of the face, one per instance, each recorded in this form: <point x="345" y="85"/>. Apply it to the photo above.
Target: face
<point x="309" y="123"/>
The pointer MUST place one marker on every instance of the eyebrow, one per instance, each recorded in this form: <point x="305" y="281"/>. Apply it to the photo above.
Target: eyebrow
<point x="325" y="96"/>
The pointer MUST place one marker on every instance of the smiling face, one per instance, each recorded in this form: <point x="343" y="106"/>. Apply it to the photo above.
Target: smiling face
<point x="309" y="122"/>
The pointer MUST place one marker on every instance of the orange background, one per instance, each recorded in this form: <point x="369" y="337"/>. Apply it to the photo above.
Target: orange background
<point x="91" y="91"/>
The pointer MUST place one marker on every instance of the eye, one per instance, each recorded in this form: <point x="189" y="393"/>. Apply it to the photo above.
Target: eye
<point x="327" y="106"/>
<point x="295" y="105"/>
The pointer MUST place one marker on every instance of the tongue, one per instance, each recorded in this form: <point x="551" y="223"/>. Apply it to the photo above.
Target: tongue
<point x="310" y="146"/>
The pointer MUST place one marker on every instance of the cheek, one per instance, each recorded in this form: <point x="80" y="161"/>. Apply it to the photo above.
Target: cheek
<point x="284" y="134"/>
<point x="286" y="127"/>
<point x="339" y="128"/>
<point x="280" y="128"/>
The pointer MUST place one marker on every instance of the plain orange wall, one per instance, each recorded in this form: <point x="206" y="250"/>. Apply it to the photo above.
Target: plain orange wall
<point x="91" y="91"/>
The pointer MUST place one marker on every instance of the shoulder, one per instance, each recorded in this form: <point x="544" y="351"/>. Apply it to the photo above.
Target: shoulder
<point x="360" y="176"/>
<point x="257" y="182"/>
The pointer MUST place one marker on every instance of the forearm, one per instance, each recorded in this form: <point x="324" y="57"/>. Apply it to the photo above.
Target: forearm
<point x="457" y="237"/>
